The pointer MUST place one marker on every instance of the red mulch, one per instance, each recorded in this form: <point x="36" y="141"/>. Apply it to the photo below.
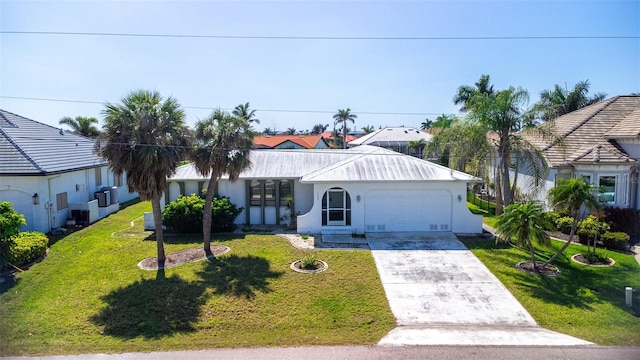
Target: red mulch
<point x="182" y="257"/>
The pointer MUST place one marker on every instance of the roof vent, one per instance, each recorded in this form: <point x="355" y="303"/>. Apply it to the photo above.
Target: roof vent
<point x="61" y="131"/>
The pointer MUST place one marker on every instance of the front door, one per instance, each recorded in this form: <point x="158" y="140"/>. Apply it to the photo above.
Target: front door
<point x="336" y="207"/>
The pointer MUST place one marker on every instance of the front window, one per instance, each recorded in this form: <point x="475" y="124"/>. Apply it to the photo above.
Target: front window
<point x="607" y="185"/>
<point x="61" y="201"/>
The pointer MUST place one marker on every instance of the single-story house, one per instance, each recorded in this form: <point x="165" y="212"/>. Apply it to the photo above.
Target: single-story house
<point x="396" y="139"/>
<point x="361" y="190"/>
<point x="50" y="175"/>
<point x="601" y="144"/>
<point x="290" y="142"/>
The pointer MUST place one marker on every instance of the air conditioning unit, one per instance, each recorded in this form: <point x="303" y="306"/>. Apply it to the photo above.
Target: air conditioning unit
<point x="113" y="194"/>
<point x="103" y="198"/>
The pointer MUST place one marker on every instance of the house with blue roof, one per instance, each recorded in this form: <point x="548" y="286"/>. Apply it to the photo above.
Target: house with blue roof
<point x="52" y="176"/>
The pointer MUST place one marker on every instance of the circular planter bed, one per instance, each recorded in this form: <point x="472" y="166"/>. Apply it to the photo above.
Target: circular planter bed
<point x="527" y="266"/>
<point x="320" y="266"/>
<point x="579" y="258"/>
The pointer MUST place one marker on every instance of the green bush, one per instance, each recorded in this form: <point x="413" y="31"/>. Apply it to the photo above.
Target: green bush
<point x="27" y="247"/>
<point x="10" y="222"/>
<point x="595" y="258"/>
<point x="551" y="217"/>
<point x="564" y="224"/>
<point x="184" y="215"/>
<point x="591" y="227"/>
<point x="615" y="240"/>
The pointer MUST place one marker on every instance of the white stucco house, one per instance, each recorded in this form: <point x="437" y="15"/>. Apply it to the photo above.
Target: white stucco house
<point x="601" y="144"/>
<point x="356" y="191"/>
<point x="50" y="175"/>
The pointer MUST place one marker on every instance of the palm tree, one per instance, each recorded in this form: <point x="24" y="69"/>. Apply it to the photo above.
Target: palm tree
<point x="82" y="125"/>
<point x="573" y="196"/>
<point x="343" y="117"/>
<point x="291" y="131"/>
<point x="426" y="124"/>
<point x="269" y="131"/>
<point x="145" y="137"/>
<point x="223" y="145"/>
<point x="559" y="101"/>
<point x="443" y="121"/>
<point x="466" y="92"/>
<point x="524" y="223"/>
<point x="242" y="111"/>
<point x="416" y="147"/>
<point x="319" y="129"/>
<point x="368" y="129"/>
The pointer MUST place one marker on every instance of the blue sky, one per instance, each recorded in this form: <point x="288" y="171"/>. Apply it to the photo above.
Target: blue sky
<point x="298" y="83"/>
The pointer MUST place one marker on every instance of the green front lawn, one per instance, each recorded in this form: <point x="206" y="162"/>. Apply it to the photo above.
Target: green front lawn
<point x="583" y="301"/>
<point x="88" y="296"/>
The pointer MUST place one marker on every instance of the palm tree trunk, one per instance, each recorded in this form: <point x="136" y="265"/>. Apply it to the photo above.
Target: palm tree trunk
<point x="344" y="135"/>
<point x="506" y="186"/>
<point x="566" y="245"/>
<point x="206" y="214"/>
<point x="157" y="221"/>
<point x="532" y="253"/>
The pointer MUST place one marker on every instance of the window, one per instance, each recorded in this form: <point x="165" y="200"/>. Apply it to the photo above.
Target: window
<point x="285" y="192"/>
<point x="625" y="188"/>
<point x="117" y="180"/>
<point x="270" y="193"/>
<point x="607" y="185"/>
<point x="336" y="207"/>
<point x="61" y="201"/>
<point x="586" y="178"/>
<point x="98" y="177"/>
<point x="256" y="193"/>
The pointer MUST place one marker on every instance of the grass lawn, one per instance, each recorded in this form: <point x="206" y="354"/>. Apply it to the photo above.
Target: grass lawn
<point x="487" y="218"/>
<point x="583" y="301"/>
<point x="88" y="296"/>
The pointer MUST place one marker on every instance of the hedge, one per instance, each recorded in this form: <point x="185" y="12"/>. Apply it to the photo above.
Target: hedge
<point x="616" y="240"/>
<point x="26" y="247"/>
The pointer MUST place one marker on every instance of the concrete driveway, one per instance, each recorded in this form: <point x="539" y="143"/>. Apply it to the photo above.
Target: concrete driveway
<point x="441" y="294"/>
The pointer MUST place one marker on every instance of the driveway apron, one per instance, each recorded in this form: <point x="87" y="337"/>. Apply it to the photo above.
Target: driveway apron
<point x="440" y="293"/>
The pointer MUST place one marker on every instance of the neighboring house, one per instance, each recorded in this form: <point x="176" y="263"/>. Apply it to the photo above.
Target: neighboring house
<point x="47" y="173"/>
<point x="396" y="139"/>
<point x="601" y="144"/>
<point x="358" y="191"/>
<point x="329" y="136"/>
<point x="290" y="142"/>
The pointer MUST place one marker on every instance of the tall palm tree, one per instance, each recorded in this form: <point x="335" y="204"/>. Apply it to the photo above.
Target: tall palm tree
<point x="575" y="197"/>
<point x="319" y="128"/>
<point x="426" y="124"/>
<point x="242" y="111"/>
<point x="82" y="125"/>
<point x="367" y="129"/>
<point x="269" y="131"/>
<point x="524" y="223"/>
<point x="443" y="121"/>
<point x="343" y="117"/>
<point x="559" y="101"/>
<point x="466" y="92"/>
<point x="145" y="137"/>
<point x="223" y="146"/>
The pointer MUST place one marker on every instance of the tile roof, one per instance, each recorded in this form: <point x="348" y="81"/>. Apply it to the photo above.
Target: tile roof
<point x="362" y="163"/>
<point x="588" y="135"/>
<point x="271" y="141"/>
<point x="392" y="136"/>
<point x="28" y="147"/>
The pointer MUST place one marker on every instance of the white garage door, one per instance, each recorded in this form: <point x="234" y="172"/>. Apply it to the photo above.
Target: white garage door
<point x="408" y="210"/>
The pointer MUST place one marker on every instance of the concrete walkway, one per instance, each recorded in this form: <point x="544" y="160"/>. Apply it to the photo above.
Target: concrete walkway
<point x="441" y="294"/>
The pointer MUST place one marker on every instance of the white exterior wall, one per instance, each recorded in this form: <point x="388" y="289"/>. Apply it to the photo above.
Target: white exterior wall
<point x="462" y="220"/>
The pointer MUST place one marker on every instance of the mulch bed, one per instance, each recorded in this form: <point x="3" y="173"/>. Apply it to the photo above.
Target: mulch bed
<point x="581" y="259"/>
<point x="182" y="257"/>
<point x="540" y="269"/>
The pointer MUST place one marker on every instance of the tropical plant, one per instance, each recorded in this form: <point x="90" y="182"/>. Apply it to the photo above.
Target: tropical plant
<point x="466" y="93"/>
<point x="416" y="146"/>
<point x="368" y="129"/>
<point x="524" y="223"/>
<point x="27" y="246"/>
<point x="574" y="197"/>
<point x="443" y="121"/>
<point x="343" y="117"/>
<point x="559" y="101"/>
<point x="589" y="231"/>
<point x="319" y="129"/>
<point x="242" y="111"/>
<point x="10" y="223"/>
<point x="82" y="125"/>
<point x="223" y="146"/>
<point x="291" y="131"/>
<point x="145" y="137"/>
<point x="426" y="124"/>
<point x="269" y="131"/>
<point x="185" y="214"/>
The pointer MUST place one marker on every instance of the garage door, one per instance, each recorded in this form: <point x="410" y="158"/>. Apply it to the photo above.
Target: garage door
<point x="408" y="210"/>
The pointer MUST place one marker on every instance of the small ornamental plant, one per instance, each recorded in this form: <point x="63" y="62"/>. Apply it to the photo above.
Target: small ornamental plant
<point x="309" y="261"/>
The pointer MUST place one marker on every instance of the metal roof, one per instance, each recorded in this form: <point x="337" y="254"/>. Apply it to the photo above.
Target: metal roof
<point x="392" y="136"/>
<point x="28" y="147"/>
<point x="362" y="163"/>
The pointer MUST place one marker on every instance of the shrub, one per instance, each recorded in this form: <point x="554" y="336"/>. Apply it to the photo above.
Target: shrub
<point x="184" y="215"/>
<point x="615" y="240"/>
<point x="564" y="224"/>
<point x="308" y="261"/>
<point x="551" y="217"/>
<point x="595" y="258"/>
<point x="10" y="222"/>
<point x="27" y="247"/>
<point x="591" y="227"/>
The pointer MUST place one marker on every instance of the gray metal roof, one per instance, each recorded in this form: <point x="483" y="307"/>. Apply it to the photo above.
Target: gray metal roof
<point x="392" y="136"/>
<point x="362" y="163"/>
<point x="28" y="147"/>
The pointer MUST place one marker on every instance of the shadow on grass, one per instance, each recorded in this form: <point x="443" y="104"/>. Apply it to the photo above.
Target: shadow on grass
<point x="154" y="308"/>
<point x="238" y="276"/>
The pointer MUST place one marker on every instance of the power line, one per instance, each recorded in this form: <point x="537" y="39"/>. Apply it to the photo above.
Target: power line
<point x="340" y="38"/>
<point x="214" y="107"/>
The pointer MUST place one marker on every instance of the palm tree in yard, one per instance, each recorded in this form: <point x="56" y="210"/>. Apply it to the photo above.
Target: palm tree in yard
<point x="343" y="117"/>
<point x="223" y="145"/>
<point x="524" y="224"/>
<point x="426" y="124"/>
<point x="368" y="129"/>
<point x="145" y="137"/>
<point x="559" y="101"/>
<point x="466" y="92"/>
<point x="242" y="111"/>
<point x="81" y="125"/>
<point x="416" y="147"/>
<point x="319" y="129"/>
<point x="575" y="197"/>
